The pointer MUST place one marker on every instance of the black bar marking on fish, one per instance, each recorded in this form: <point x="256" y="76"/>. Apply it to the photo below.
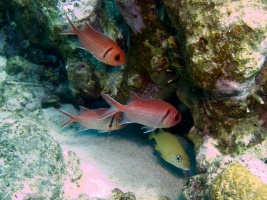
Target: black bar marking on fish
<point x="109" y="49"/>
<point x="167" y="113"/>
<point x="111" y="122"/>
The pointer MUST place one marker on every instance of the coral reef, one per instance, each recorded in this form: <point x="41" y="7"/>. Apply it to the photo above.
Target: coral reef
<point x="22" y="87"/>
<point x="236" y="182"/>
<point x="31" y="161"/>
<point x="151" y="71"/>
<point x="226" y="52"/>
<point x="84" y="84"/>
<point x="243" y="177"/>
<point x="211" y="53"/>
<point x="222" y="58"/>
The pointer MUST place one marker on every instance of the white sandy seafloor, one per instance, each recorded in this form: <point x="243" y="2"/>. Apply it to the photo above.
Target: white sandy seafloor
<point x="122" y="159"/>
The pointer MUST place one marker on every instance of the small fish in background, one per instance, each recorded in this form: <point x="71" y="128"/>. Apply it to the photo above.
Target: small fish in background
<point x="99" y="45"/>
<point x="90" y="119"/>
<point x="170" y="149"/>
<point x="153" y="113"/>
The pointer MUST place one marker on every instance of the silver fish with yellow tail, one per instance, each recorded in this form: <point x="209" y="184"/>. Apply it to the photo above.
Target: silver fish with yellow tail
<point x="170" y="149"/>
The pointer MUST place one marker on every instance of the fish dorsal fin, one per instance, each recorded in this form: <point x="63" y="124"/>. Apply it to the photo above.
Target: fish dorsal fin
<point x="160" y="131"/>
<point x="133" y="97"/>
<point x="83" y="109"/>
<point x="88" y="29"/>
<point x="151" y="136"/>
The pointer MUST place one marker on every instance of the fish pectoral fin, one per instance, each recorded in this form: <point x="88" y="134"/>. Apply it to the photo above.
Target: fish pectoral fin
<point x="148" y="129"/>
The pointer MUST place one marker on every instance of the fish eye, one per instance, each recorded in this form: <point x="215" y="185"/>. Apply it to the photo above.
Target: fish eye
<point x="178" y="158"/>
<point x="176" y="117"/>
<point x="117" y="57"/>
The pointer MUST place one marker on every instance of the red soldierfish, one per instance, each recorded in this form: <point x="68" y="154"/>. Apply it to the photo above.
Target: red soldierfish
<point x="90" y="119"/>
<point x="99" y="45"/>
<point x="153" y="113"/>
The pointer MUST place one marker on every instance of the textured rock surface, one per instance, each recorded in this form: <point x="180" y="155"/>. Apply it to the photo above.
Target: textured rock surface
<point x="31" y="161"/>
<point x="236" y="182"/>
<point x="152" y="54"/>
<point x="210" y="52"/>
<point x="229" y="178"/>
<point x="22" y="87"/>
<point x="117" y="194"/>
<point x="224" y="49"/>
<point x="225" y="42"/>
<point x="84" y="84"/>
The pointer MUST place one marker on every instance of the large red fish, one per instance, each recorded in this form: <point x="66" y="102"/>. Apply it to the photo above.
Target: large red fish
<point x="90" y="119"/>
<point x="153" y="113"/>
<point x="99" y="45"/>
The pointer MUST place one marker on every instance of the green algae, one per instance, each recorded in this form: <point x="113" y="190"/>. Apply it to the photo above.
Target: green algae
<point x="35" y="20"/>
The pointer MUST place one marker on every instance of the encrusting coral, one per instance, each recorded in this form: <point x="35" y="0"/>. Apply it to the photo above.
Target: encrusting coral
<point x="236" y="183"/>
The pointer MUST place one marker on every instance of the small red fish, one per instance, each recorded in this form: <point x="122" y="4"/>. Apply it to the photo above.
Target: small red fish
<point x="90" y="119"/>
<point x="153" y="113"/>
<point x="99" y="45"/>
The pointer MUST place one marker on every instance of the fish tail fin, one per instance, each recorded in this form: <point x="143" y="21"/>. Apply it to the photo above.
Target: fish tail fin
<point x="114" y="106"/>
<point x="133" y="97"/>
<point x="73" y="31"/>
<point x="71" y="118"/>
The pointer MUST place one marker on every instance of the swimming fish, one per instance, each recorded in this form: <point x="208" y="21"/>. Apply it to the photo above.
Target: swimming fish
<point x="90" y="119"/>
<point x="153" y="113"/>
<point x="99" y="45"/>
<point x="170" y="149"/>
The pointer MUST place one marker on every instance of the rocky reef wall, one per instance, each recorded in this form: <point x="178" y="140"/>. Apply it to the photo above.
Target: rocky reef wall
<point x="209" y="54"/>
